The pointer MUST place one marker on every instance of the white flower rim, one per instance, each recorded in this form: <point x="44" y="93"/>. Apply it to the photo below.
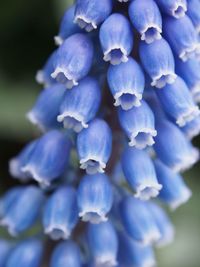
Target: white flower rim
<point x="66" y="74"/>
<point x="188" y="116"/>
<point x="87" y="24"/>
<point x="157" y="36"/>
<point x="133" y="92"/>
<point x="169" y="75"/>
<point x="151" y="132"/>
<point x="177" y="5"/>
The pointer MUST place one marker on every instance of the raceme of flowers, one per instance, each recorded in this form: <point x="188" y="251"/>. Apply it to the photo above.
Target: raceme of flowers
<point x="117" y="114"/>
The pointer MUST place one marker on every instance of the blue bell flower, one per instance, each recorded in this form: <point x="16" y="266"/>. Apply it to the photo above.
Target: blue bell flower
<point x="49" y="158"/>
<point x="89" y="14"/>
<point x="193" y="7"/>
<point x="138" y="221"/>
<point x="23" y="210"/>
<point x="158" y="61"/>
<point x="141" y="177"/>
<point x="103" y="243"/>
<point x="178" y="103"/>
<point x="174" y="191"/>
<point x="126" y="82"/>
<point x="73" y="60"/>
<point x="60" y="214"/>
<point x="173" y="148"/>
<point x="116" y="38"/>
<point x="139" y="125"/>
<point x="9" y="198"/>
<point x="80" y="105"/>
<point x="27" y="253"/>
<point x="16" y="164"/>
<point x="174" y="8"/>
<point x="132" y="253"/>
<point x="192" y="128"/>
<point x="66" y="254"/>
<point x="67" y="26"/>
<point x="43" y="76"/>
<point x="5" y="249"/>
<point x="46" y="109"/>
<point x="94" y="145"/>
<point x="190" y="72"/>
<point x="182" y="37"/>
<point x="95" y="198"/>
<point x="163" y="223"/>
<point x="146" y="18"/>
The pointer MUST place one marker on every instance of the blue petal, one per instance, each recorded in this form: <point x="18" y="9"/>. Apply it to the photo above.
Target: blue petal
<point x="16" y="163"/>
<point x="163" y="223"/>
<point x="126" y="82"/>
<point x="158" y="61"/>
<point x="116" y="37"/>
<point x="139" y="125"/>
<point x="192" y="128"/>
<point x="43" y="76"/>
<point x="193" y="8"/>
<point x="94" y="146"/>
<point x="131" y="253"/>
<point x="46" y="109"/>
<point x="103" y="243"/>
<point x="67" y="26"/>
<point x="174" y="191"/>
<point x="146" y="18"/>
<point x="5" y="249"/>
<point x="141" y="177"/>
<point x="138" y="220"/>
<point x="23" y="211"/>
<point x="80" y="105"/>
<point x="173" y="148"/>
<point x="66" y="254"/>
<point x="174" y="8"/>
<point x="190" y="72"/>
<point x="60" y="214"/>
<point x="73" y="60"/>
<point x="182" y="37"/>
<point x="28" y="253"/>
<point x="49" y="158"/>
<point x="177" y="102"/>
<point x="90" y="13"/>
<point x="95" y="198"/>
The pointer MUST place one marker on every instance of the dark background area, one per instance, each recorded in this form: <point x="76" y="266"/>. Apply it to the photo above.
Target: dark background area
<point x="26" y="39"/>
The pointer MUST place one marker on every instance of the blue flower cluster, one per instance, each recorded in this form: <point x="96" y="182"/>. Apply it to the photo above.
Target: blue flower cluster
<point x="141" y="56"/>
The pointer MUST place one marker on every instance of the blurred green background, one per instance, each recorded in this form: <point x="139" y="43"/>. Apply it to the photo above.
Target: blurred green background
<point x="26" y="38"/>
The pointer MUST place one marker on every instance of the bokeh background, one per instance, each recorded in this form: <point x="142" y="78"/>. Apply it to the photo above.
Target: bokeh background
<point x="26" y="38"/>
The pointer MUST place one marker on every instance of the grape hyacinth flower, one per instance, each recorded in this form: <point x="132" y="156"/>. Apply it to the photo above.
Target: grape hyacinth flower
<point x="158" y="61"/>
<point x="73" y="111"/>
<point x="139" y="125"/>
<point x="174" y="8"/>
<point x="89" y="14"/>
<point x="126" y="82"/>
<point x="146" y="18"/>
<point x="71" y="65"/>
<point x="60" y="214"/>
<point x="95" y="198"/>
<point x="94" y="145"/>
<point x="116" y="38"/>
<point x="94" y="190"/>
<point x="141" y="177"/>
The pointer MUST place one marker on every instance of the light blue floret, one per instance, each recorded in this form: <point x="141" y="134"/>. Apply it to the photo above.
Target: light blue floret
<point x="103" y="243"/>
<point x="95" y="198"/>
<point x="94" y="145"/>
<point x="158" y="61"/>
<point x="126" y="82"/>
<point x="139" y="125"/>
<point x="73" y="60"/>
<point x="74" y="112"/>
<point x="116" y="38"/>
<point x="60" y="214"/>
<point x="66" y="254"/>
<point x="141" y="177"/>
<point x="90" y="13"/>
<point x="146" y="18"/>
